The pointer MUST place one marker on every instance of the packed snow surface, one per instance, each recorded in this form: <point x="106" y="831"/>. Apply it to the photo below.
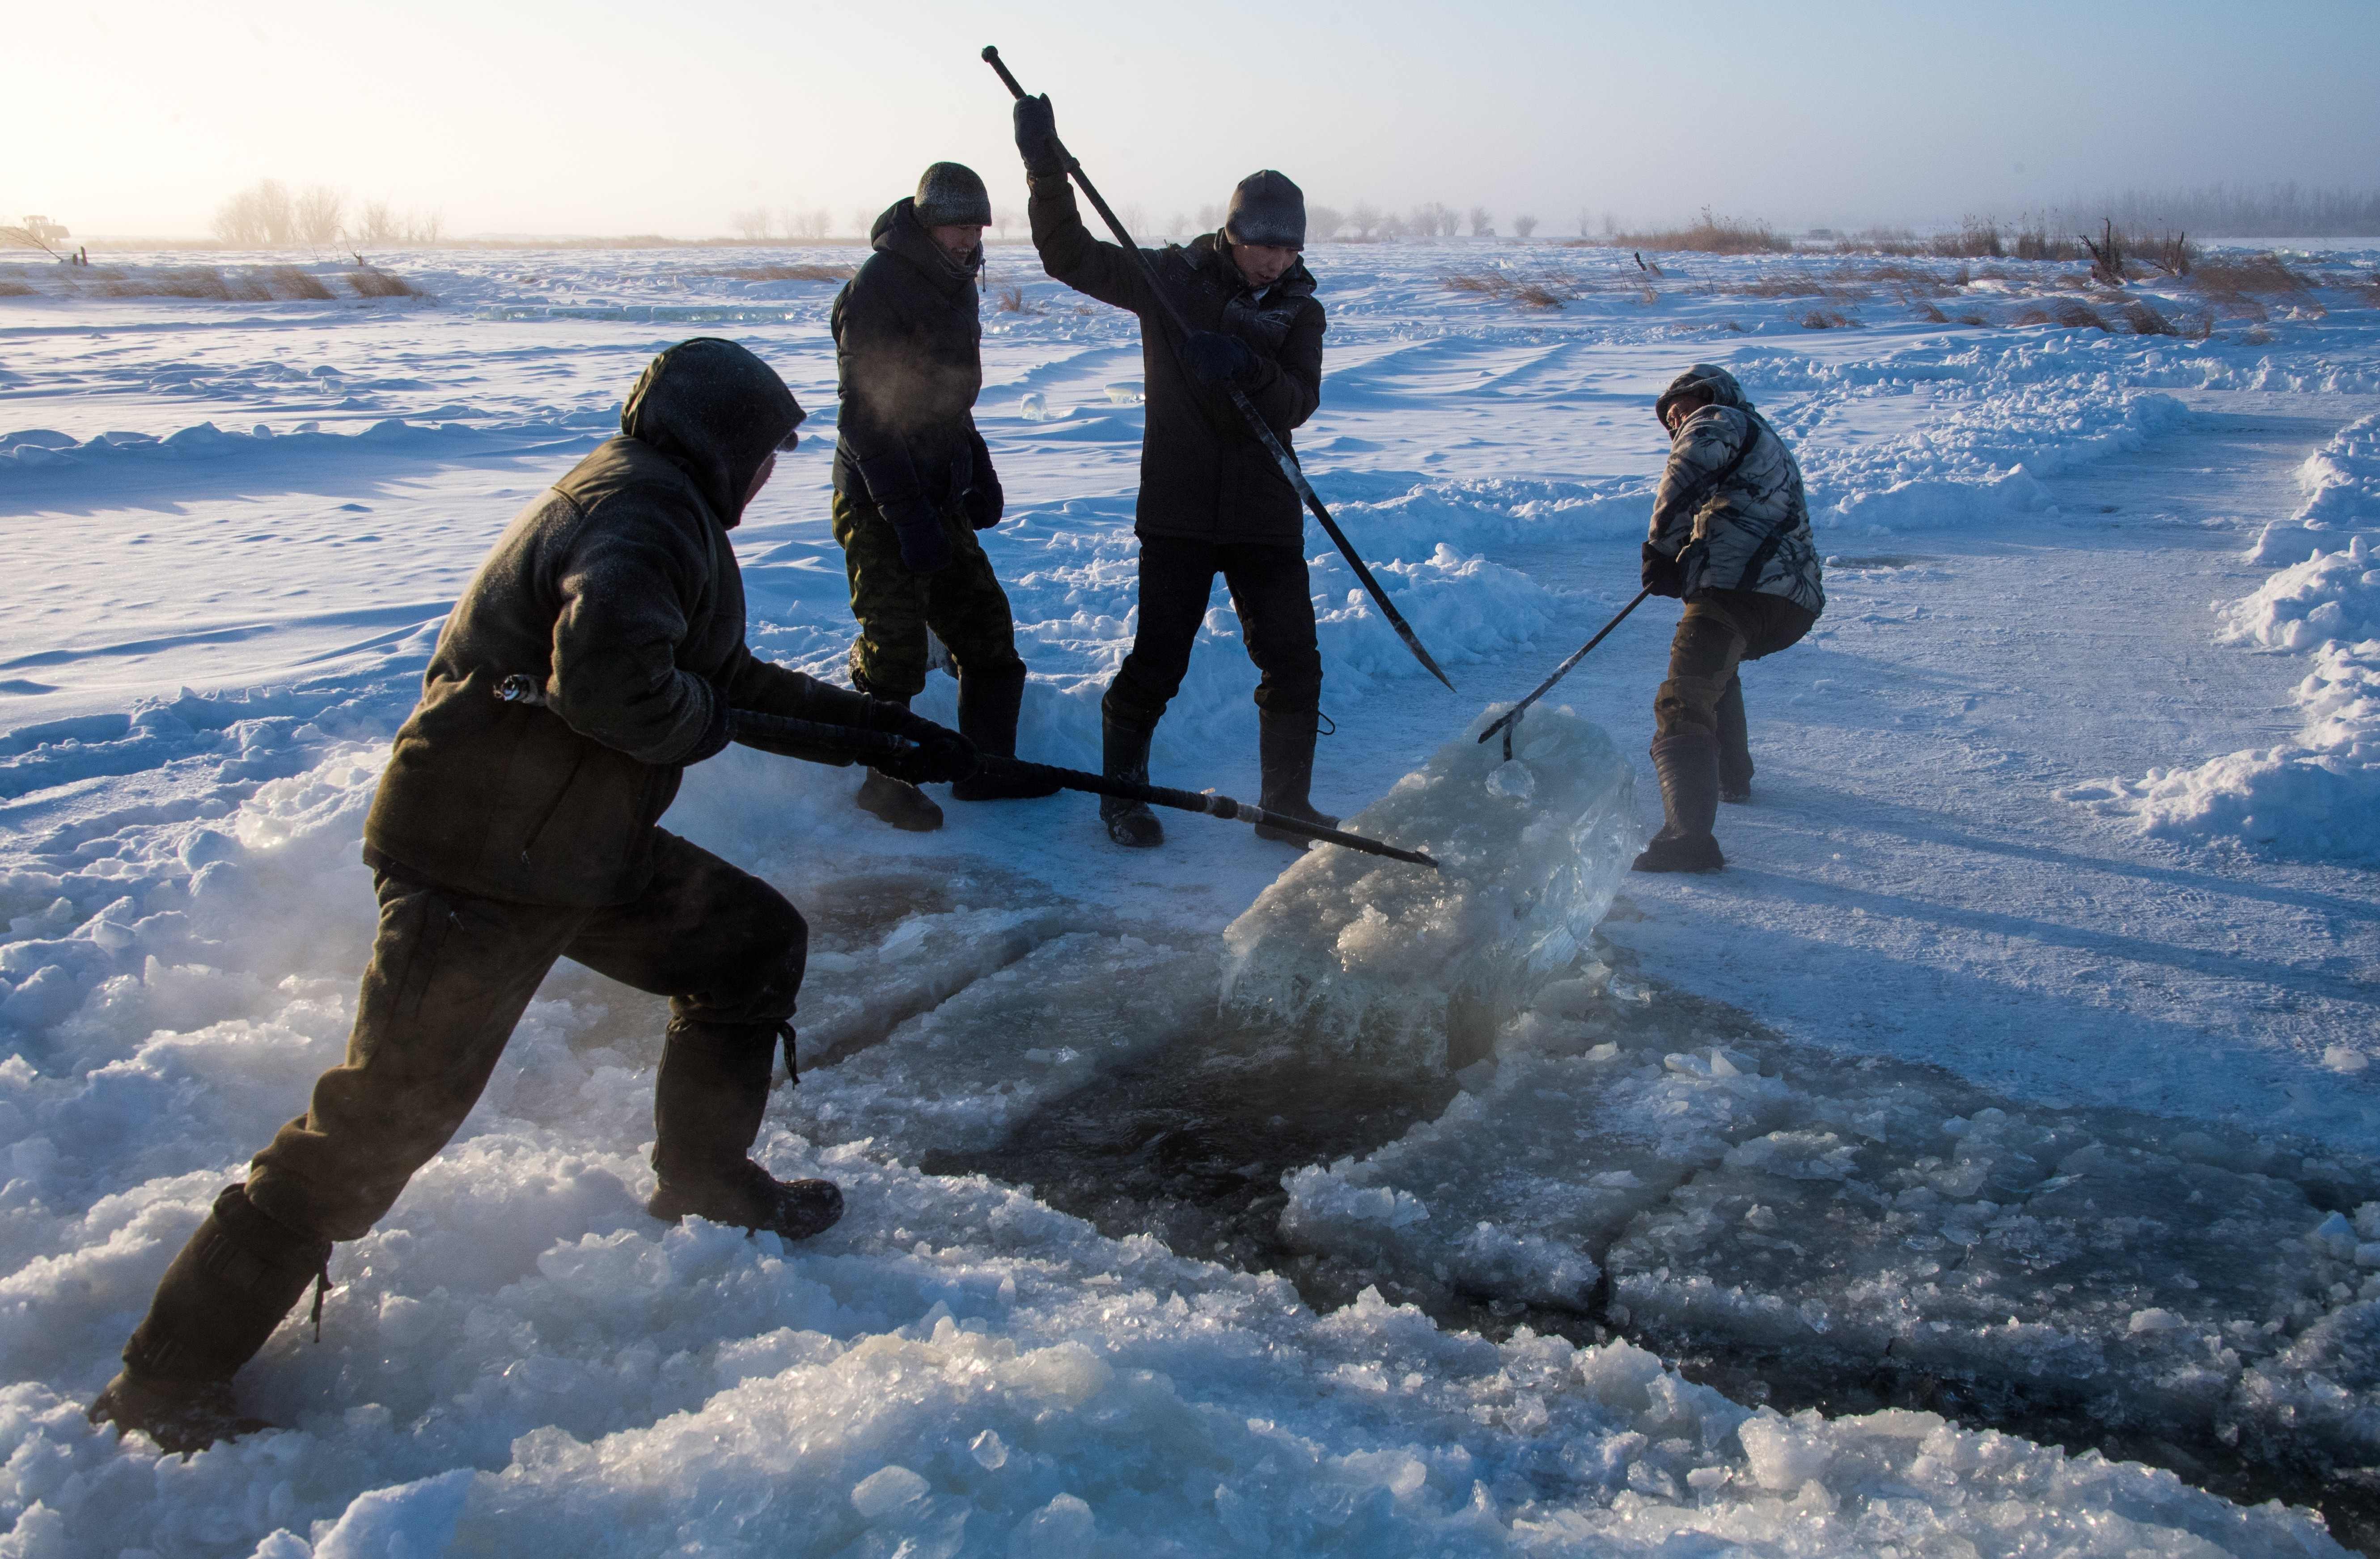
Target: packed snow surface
<point x="2032" y="1093"/>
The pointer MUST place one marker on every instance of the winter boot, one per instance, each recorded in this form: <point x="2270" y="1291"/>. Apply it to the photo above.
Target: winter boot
<point x="1734" y="747"/>
<point x="897" y="802"/>
<point x="749" y="1197"/>
<point x="1688" y="764"/>
<point x="1285" y="750"/>
<point x="219" y="1302"/>
<point x="708" y="1101"/>
<point x="1124" y="754"/>
<point x="987" y="708"/>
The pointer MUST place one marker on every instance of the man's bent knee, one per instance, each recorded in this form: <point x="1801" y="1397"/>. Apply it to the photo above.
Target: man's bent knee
<point x="889" y="665"/>
<point x="1687" y="703"/>
<point x="764" y="982"/>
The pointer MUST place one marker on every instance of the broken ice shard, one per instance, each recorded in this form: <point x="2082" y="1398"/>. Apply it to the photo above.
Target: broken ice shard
<point x="1377" y="957"/>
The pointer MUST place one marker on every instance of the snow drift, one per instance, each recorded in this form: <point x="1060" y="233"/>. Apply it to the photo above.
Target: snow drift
<point x="2316" y="797"/>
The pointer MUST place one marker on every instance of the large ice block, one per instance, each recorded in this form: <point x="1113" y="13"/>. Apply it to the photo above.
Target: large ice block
<point x="1382" y="956"/>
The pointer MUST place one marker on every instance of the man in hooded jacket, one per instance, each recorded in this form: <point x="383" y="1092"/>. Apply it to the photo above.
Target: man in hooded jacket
<point x="1211" y="499"/>
<point x="1730" y="536"/>
<point x="914" y="483"/>
<point x="505" y="836"/>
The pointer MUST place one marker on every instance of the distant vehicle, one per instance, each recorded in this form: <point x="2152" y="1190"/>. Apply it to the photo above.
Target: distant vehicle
<point x="45" y="231"/>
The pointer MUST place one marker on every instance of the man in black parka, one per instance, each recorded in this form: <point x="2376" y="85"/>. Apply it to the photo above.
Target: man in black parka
<point x="505" y="836"/>
<point x="914" y="483"/>
<point x="1211" y="499"/>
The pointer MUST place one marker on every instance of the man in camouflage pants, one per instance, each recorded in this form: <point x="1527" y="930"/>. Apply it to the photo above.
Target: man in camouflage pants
<point x="914" y="483"/>
<point x="1731" y="536"/>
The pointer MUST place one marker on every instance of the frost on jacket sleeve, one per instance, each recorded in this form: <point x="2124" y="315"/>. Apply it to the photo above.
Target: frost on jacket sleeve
<point x="872" y="359"/>
<point x="1071" y="255"/>
<point x="622" y="599"/>
<point x="1705" y="446"/>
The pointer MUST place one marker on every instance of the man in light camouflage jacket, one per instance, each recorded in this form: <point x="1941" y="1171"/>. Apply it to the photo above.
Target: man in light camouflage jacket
<point x="1730" y="537"/>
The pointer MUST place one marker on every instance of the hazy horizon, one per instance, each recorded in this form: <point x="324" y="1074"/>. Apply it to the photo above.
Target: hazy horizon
<point x="556" y="119"/>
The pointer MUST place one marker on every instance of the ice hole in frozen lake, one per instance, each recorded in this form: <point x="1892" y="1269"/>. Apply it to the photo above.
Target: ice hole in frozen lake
<point x="1847" y="1231"/>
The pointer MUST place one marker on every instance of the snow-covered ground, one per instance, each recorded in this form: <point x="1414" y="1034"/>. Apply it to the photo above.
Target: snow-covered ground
<point x="2024" y="1047"/>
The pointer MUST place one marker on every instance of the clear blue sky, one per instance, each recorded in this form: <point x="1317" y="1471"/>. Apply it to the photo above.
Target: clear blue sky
<point x="604" y="116"/>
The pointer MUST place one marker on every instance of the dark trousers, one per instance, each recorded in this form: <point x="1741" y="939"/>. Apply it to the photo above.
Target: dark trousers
<point x="1275" y="603"/>
<point x="1718" y="631"/>
<point x="450" y="976"/>
<point x="962" y="603"/>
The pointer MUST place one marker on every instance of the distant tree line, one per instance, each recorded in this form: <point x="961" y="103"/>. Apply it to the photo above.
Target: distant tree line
<point x="2221" y="210"/>
<point x="269" y="215"/>
<point x="793" y="224"/>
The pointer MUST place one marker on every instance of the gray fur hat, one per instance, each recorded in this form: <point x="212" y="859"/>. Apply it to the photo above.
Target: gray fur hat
<point x="950" y="193"/>
<point x="1266" y="208"/>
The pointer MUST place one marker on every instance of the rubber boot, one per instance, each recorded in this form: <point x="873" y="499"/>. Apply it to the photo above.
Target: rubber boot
<point x="1688" y="764"/>
<point x="219" y="1302"/>
<point x="897" y="802"/>
<point x="708" y="1101"/>
<point x="1734" y="746"/>
<point x="1124" y="754"/>
<point x="988" y="709"/>
<point x="1285" y="749"/>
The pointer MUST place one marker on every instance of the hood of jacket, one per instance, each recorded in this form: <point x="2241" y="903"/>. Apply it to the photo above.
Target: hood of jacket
<point x="899" y="233"/>
<point x="1706" y="379"/>
<point x="715" y="411"/>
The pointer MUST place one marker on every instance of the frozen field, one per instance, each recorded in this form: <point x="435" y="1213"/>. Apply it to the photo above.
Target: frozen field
<point x="2012" y="1090"/>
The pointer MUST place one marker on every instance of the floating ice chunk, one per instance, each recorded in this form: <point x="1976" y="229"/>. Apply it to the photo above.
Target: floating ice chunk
<point x="886" y="1490"/>
<point x="1784" y="1454"/>
<point x="412" y="1518"/>
<point x="1318" y="1195"/>
<point x="2154" y="1319"/>
<point x="1062" y="1529"/>
<point x="1377" y="955"/>
<point x="2337" y="1236"/>
<point x="1526" y="1266"/>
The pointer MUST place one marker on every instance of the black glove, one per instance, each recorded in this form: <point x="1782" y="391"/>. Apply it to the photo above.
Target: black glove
<point x="1662" y="574"/>
<point x="1214" y="357"/>
<point x="924" y="548"/>
<point x="981" y="499"/>
<point x="944" y="757"/>
<point x="1037" y="137"/>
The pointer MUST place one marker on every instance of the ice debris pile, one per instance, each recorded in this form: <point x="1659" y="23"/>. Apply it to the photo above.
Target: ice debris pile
<point x="1857" y="1217"/>
<point x="2342" y="485"/>
<point x="2317" y="795"/>
<point x="1384" y="958"/>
